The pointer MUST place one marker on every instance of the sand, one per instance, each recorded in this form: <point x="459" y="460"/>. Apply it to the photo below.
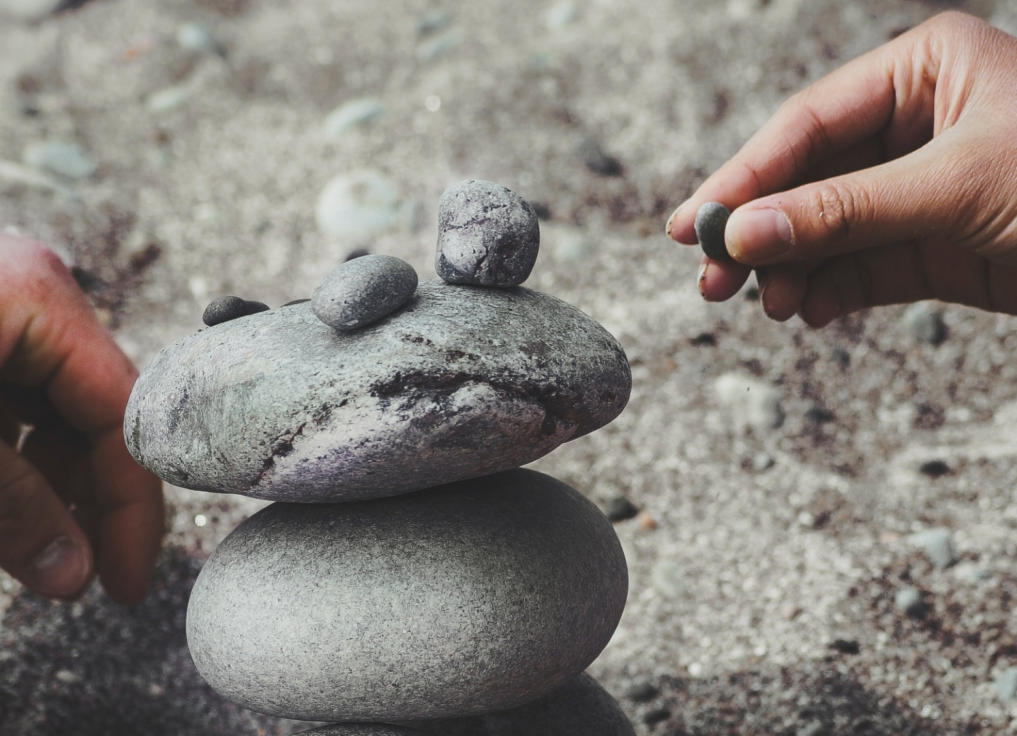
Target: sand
<point x="762" y="558"/>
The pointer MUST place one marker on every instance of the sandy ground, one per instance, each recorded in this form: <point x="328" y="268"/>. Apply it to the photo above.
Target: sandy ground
<point x="765" y="563"/>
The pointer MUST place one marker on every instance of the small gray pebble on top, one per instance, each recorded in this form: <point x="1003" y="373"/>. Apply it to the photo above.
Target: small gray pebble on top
<point x="226" y="308"/>
<point x="711" y="219"/>
<point x="487" y="235"/>
<point x="362" y="291"/>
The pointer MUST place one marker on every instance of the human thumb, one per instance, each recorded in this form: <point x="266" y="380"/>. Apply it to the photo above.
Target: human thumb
<point x="913" y="197"/>
<point x="40" y="543"/>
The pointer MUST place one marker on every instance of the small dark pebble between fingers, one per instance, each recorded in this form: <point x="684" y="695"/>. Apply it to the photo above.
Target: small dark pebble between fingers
<point x="226" y="308"/>
<point x="711" y="219"/>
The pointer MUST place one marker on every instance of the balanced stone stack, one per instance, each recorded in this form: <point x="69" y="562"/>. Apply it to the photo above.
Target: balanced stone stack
<point x="409" y="578"/>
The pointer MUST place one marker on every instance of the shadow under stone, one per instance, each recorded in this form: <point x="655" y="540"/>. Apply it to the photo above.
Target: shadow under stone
<point x="94" y="668"/>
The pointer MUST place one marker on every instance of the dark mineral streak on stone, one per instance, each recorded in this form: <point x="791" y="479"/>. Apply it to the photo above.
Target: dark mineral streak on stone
<point x="458" y="600"/>
<point x="487" y="235"/>
<point x="711" y="218"/>
<point x="361" y="291"/>
<point x="580" y="708"/>
<point x="462" y="382"/>
<point x="226" y="308"/>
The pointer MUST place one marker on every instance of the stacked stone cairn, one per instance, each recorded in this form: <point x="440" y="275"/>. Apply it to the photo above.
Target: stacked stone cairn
<point x="410" y="578"/>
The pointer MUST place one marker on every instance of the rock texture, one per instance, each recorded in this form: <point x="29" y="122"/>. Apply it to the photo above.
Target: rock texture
<point x="363" y="729"/>
<point x="469" y="598"/>
<point x="461" y="383"/>
<point x="580" y="708"/>
<point x="362" y="290"/>
<point x="487" y="235"/>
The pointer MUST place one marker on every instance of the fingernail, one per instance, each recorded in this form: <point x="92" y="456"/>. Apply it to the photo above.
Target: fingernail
<point x="59" y="570"/>
<point x="758" y="235"/>
<point x="701" y="278"/>
<point x="679" y="212"/>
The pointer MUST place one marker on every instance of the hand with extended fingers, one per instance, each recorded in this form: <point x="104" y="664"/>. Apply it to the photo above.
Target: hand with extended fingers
<point x="72" y="501"/>
<point x="891" y="180"/>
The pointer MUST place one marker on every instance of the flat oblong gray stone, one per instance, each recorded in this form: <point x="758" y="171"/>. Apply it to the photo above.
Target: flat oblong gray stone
<point x="579" y="708"/>
<point x="461" y="382"/>
<point x="361" y="291"/>
<point x="487" y="235"/>
<point x="468" y="598"/>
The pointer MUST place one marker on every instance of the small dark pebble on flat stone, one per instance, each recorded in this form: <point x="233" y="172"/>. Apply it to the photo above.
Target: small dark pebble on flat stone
<point x="642" y="692"/>
<point x="711" y="218"/>
<point x="846" y="646"/>
<point x="751" y="294"/>
<point x="619" y="508"/>
<point x="360" y="292"/>
<point x="598" y="160"/>
<point x="226" y="308"/>
<point x="934" y="468"/>
<point x="357" y="253"/>
<point x="656" y="715"/>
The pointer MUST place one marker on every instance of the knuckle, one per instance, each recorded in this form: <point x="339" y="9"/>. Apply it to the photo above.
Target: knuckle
<point x="836" y="208"/>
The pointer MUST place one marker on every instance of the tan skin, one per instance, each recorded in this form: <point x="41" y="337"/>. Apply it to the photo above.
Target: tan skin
<point x="896" y="176"/>
<point x="72" y="502"/>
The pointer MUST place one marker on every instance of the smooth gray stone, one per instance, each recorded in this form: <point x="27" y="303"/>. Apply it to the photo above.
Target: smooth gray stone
<point x="461" y="382"/>
<point x="361" y="291"/>
<point x="711" y="219"/>
<point x="361" y="729"/>
<point x="458" y="600"/>
<point x="580" y="708"/>
<point x="487" y="235"/>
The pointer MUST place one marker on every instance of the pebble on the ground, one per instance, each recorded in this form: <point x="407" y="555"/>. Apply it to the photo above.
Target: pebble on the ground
<point x="59" y="157"/>
<point x="938" y="546"/>
<point x="361" y="291"/>
<point x="226" y="308"/>
<point x="487" y="235"/>
<point x="619" y="508"/>
<point x="909" y="600"/>
<point x="1005" y="684"/>
<point x="711" y="219"/>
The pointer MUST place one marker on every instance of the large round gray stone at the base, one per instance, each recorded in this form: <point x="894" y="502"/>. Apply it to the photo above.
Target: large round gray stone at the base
<point x="461" y="382"/>
<point x="463" y="599"/>
<point x="579" y="708"/>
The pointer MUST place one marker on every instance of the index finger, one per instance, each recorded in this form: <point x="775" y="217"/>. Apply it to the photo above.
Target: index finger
<point x="840" y="110"/>
<point x="50" y="338"/>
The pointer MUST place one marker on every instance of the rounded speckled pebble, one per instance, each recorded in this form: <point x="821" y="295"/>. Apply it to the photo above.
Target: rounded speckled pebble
<point x="711" y="218"/>
<point x="361" y="291"/>
<point x="226" y="308"/>
<point x="487" y="235"/>
<point x="458" y="600"/>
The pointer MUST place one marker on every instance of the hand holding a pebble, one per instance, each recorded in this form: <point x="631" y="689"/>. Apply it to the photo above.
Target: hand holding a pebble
<point x="891" y="180"/>
<point x="72" y="500"/>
